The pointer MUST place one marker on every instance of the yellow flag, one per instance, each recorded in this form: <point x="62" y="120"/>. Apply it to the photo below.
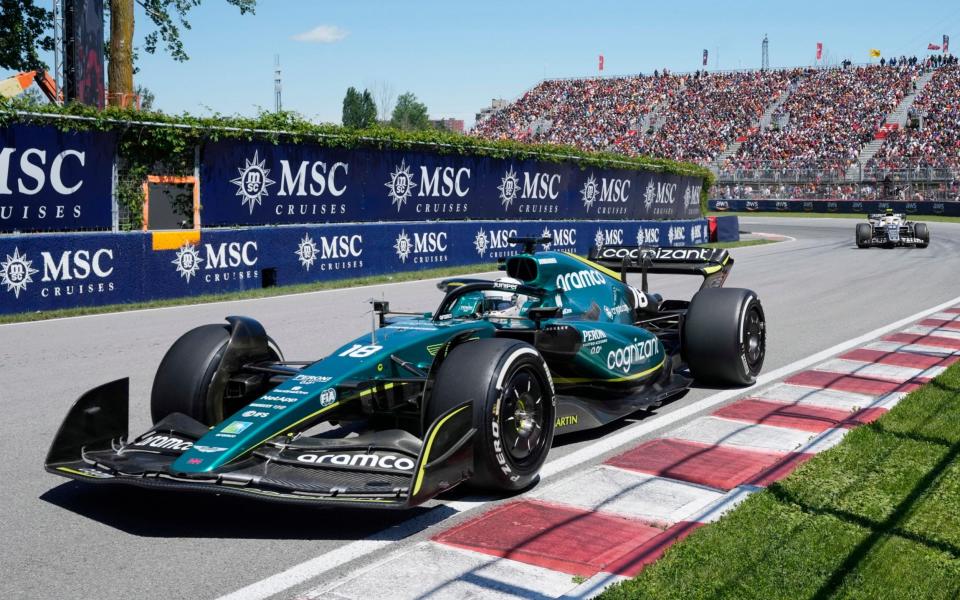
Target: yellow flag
<point x="874" y="53"/>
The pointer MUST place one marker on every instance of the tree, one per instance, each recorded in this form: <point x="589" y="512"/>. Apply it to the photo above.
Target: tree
<point x="410" y="113"/>
<point x="23" y="29"/>
<point x="385" y="96"/>
<point x="162" y="14"/>
<point x="147" y="98"/>
<point x="359" y="110"/>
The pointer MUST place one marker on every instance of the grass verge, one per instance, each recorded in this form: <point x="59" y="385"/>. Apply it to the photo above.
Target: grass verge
<point x="283" y="290"/>
<point x="877" y="516"/>
<point x="741" y="243"/>
<point x="858" y="216"/>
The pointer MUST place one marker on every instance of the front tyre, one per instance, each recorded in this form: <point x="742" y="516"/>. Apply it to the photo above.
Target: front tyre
<point x="185" y="382"/>
<point x="864" y="235"/>
<point x="921" y="232"/>
<point x="724" y="336"/>
<point x="513" y="408"/>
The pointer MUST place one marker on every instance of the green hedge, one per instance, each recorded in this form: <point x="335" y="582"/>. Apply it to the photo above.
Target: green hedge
<point x="148" y="138"/>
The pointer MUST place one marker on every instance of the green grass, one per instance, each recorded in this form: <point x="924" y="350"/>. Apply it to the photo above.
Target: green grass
<point x="806" y="215"/>
<point x="741" y="243"/>
<point x="248" y="294"/>
<point x="877" y="516"/>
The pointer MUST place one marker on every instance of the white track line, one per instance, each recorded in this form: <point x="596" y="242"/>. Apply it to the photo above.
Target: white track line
<point x="333" y="559"/>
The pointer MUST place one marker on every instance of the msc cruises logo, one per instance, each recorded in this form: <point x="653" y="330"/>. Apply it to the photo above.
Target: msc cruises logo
<point x="17" y="272"/>
<point x="590" y="192"/>
<point x="306" y="252"/>
<point x="187" y="261"/>
<point x="650" y="195"/>
<point x="480" y="242"/>
<point x="509" y="187"/>
<point x="401" y="185"/>
<point x="253" y="181"/>
<point x="402" y="246"/>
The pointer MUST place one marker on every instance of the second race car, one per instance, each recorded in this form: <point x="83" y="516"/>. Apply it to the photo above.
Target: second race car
<point x="891" y="229"/>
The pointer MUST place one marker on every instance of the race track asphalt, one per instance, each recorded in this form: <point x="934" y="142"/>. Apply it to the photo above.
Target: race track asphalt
<point x="64" y="539"/>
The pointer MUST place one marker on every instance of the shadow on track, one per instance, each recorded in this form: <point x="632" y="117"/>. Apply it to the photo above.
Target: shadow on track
<point x="153" y="513"/>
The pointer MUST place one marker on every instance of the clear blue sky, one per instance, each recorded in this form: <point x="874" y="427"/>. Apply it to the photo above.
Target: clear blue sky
<point x="456" y="56"/>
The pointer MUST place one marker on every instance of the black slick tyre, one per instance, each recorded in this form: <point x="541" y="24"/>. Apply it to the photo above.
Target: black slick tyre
<point x="724" y="336"/>
<point x="864" y="234"/>
<point x="183" y="380"/>
<point x="921" y="232"/>
<point x="513" y="408"/>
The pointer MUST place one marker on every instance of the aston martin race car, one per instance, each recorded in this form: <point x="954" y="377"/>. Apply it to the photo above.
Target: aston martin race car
<point x="474" y="391"/>
<point x="891" y="229"/>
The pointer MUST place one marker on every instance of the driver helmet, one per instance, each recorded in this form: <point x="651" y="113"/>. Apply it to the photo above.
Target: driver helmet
<point x="503" y="303"/>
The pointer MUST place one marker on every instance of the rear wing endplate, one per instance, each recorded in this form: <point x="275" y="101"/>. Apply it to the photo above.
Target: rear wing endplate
<point x="713" y="264"/>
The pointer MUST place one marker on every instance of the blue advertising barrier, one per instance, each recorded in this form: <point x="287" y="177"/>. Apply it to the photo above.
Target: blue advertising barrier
<point x="55" y="180"/>
<point x="258" y="183"/>
<point x="52" y="271"/>
<point x="837" y="206"/>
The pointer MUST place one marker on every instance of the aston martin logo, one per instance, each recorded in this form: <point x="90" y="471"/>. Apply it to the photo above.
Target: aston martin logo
<point x="253" y="181"/>
<point x="508" y="187"/>
<point x="480" y="242"/>
<point x="589" y="193"/>
<point x="187" y="261"/>
<point x="402" y="246"/>
<point x="307" y="252"/>
<point x="401" y="185"/>
<point x="17" y="272"/>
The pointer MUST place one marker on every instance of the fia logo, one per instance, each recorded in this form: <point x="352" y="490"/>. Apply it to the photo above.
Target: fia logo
<point x="306" y="252"/>
<point x="480" y="242"/>
<point x="16" y="272"/>
<point x="402" y="246"/>
<point x="253" y="181"/>
<point x="589" y="192"/>
<point x="401" y="185"/>
<point x="509" y="186"/>
<point x="187" y="261"/>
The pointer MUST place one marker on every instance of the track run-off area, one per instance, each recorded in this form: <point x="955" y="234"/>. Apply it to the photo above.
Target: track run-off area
<point x="822" y="297"/>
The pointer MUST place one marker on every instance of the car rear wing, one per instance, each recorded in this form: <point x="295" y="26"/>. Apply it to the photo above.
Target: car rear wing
<point x="713" y="264"/>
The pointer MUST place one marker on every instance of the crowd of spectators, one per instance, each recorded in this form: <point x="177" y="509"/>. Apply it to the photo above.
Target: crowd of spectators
<point x="931" y="139"/>
<point x="830" y="116"/>
<point x="592" y="114"/>
<point x="817" y="133"/>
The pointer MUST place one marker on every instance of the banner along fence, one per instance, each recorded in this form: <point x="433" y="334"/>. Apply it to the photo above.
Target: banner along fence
<point x="263" y="183"/>
<point x="951" y="209"/>
<point x="52" y="271"/>
<point x="57" y="180"/>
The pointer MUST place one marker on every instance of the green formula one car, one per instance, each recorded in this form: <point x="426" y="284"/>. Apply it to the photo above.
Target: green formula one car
<point x="473" y="392"/>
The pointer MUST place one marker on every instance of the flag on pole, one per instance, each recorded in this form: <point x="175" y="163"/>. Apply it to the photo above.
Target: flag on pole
<point x="946" y="43"/>
<point x="601" y="62"/>
<point x="874" y="53"/>
<point x="819" y="50"/>
<point x="705" y="54"/>
<point x="932" y="46"/>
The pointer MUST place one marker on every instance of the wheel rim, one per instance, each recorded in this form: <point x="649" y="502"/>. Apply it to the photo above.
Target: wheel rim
<point x="754" y="338"/>
<point x="522" y="413"/>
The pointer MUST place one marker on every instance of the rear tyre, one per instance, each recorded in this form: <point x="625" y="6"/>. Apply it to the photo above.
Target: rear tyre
<point x="514" y="422"/>
<point x="183" y="380"/>
<point x="724" y="336"/>
<point x="864" y="234"/>
<point x="921" y="232"/>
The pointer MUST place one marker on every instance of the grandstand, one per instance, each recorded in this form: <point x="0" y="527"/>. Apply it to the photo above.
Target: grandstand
<point x="857" y="131"/>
